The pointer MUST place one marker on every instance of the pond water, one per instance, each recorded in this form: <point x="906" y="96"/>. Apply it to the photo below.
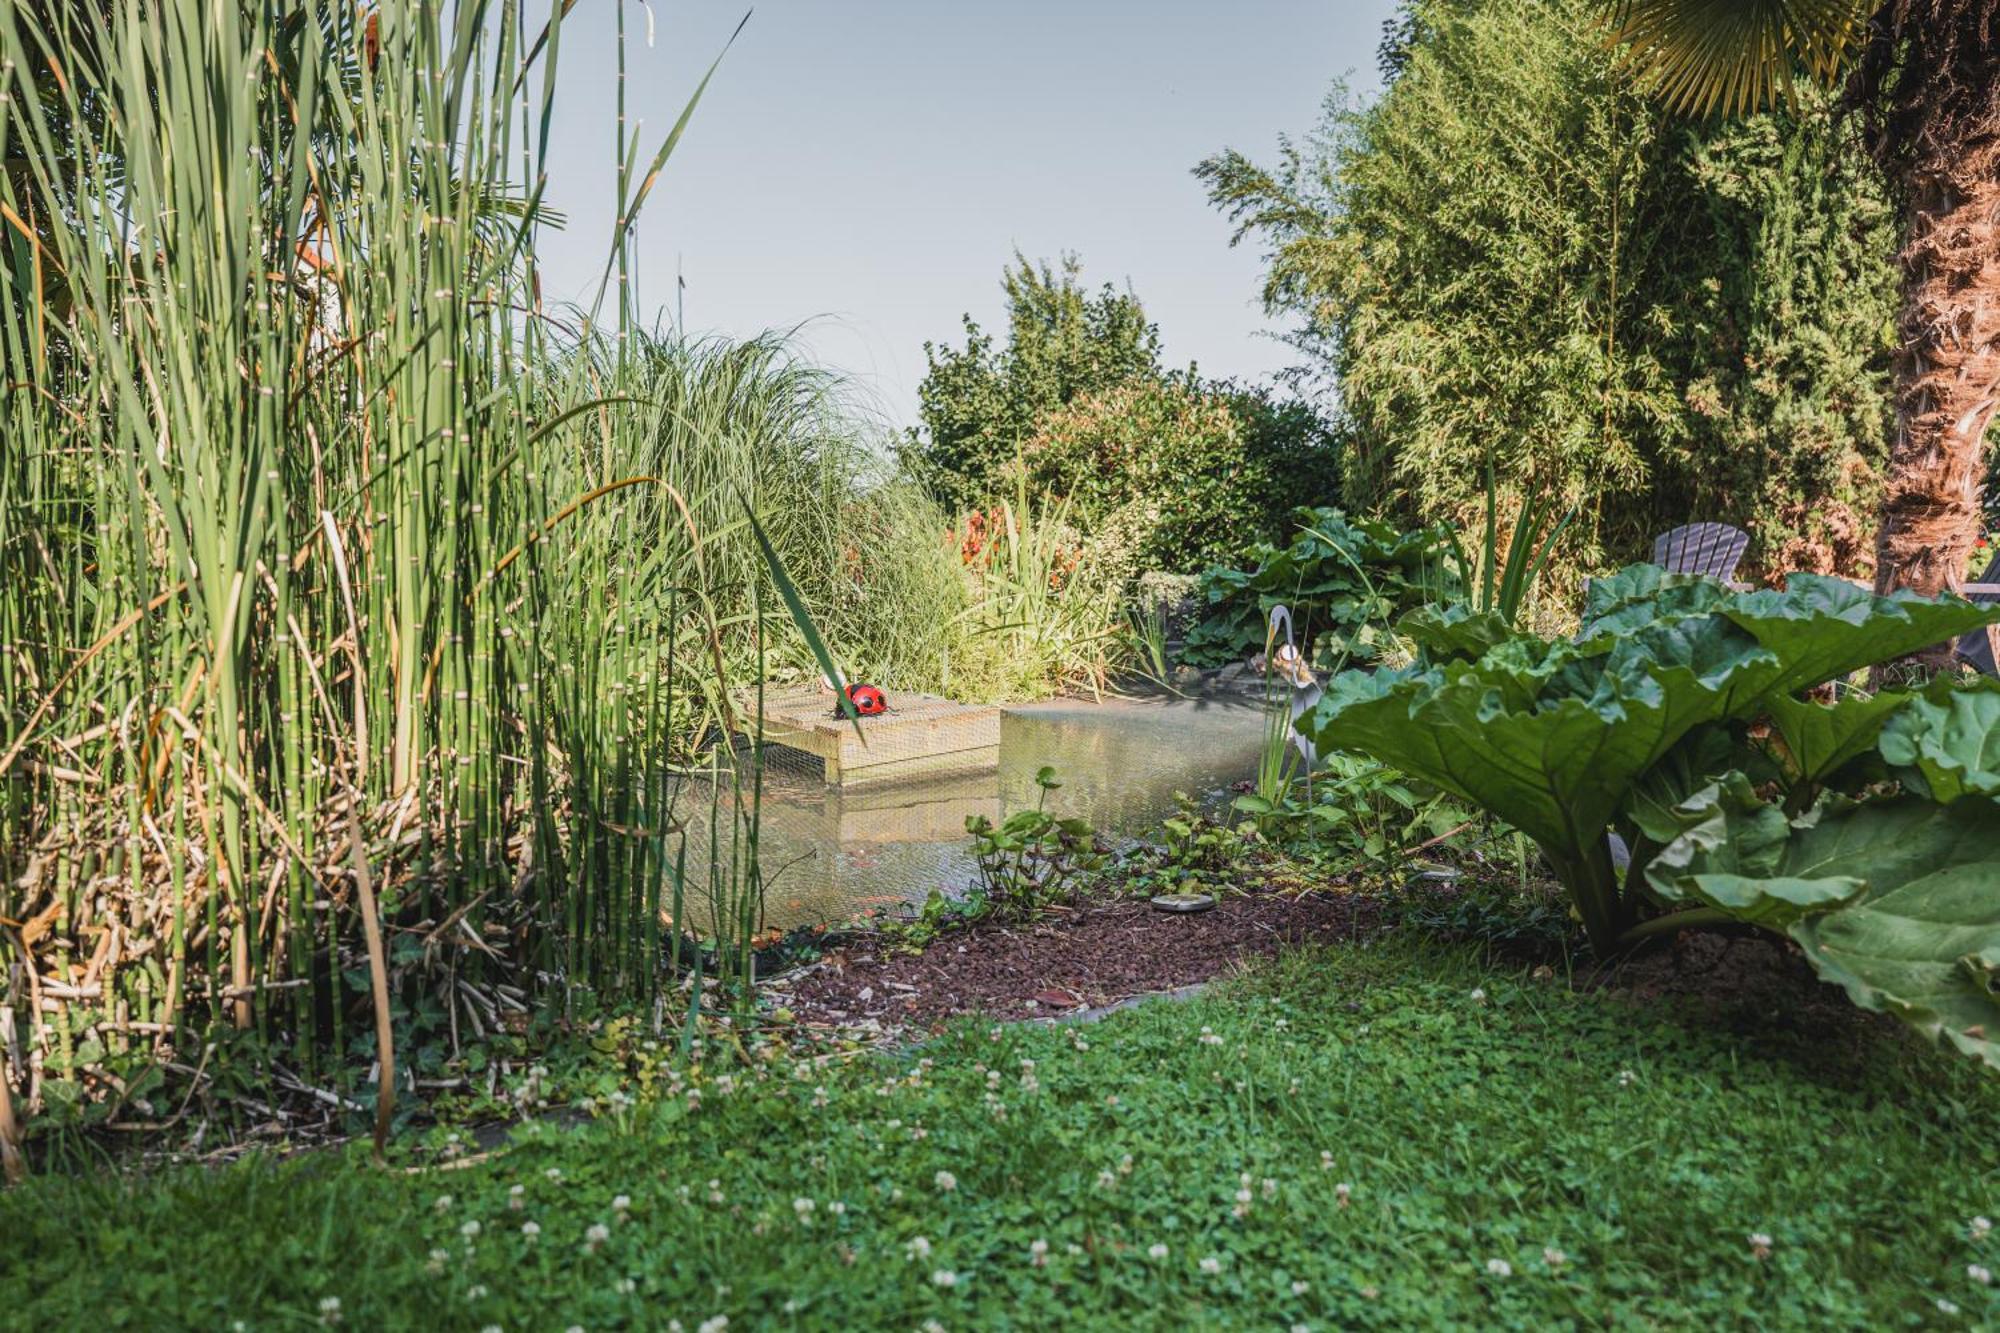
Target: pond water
<point x="830" y="853"/>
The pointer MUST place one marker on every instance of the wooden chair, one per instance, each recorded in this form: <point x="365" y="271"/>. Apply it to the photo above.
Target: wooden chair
<point x="1714" y="549"/>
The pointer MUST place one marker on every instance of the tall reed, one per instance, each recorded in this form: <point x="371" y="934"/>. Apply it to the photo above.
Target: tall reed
<point x="298" y="532"/>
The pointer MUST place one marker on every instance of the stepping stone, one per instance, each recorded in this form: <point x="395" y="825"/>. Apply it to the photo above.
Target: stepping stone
<point x="1184" y="902"/>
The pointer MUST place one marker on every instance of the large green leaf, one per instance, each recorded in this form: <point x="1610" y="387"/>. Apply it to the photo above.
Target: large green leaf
<point x="1947" y="745"/>
<point x="1641" y="595"/>
<point x="1826" y="628"/>
<point x="1823" y="737"/>
<point x="1730" y="852"/>
<point x="1896" y="900"/>
<point x="1558" y="738"/>
<point x="1455" y="631"/>
<point x="1549" y="739"/>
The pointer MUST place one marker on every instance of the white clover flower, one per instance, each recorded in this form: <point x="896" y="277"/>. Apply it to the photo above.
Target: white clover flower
<point x="945" y="1181"/>
<point x="1125" y="1165"/>
<point x="554" y="1173"/>
<point x="622" y="1204"/>
<point x="597" y="1235"/>
<point x="1499" y="1268"/>
<point x="469" y="1230"/>
<point x="1156" y="1250"/>
<point x="920" y="1248"/>
<point x="625" y="1286"/>
<point x="1553" y="1257"/>
<point x="803" y="1207"/>
<point x="442" y="1203"/>
<point x="516" y="1197"/>
<point x="1342" y="1193"/>
<point x="531" y="1229"/>
<point x="1038" y="1254"/>
<point x="837" y="1208"/>
<point x="1626" y="1078"/>
<point x="1946" y="1307"/>
<point x="1300" y="1288"/>
<point x="1211" y="1264"/>
<point x="475" y="1293"/>
<point x="1979" y="1273"/>
<point x="329" y="1309"/>
<point x="1980" y="1226"/>
<point x="1478" y="995"/>
<point x="715" y="1325"/>
<point x="1270" y="1188"/>
<point x="1105" y="1180"/>
<point x="1325" y="1160"/>
<point x="944" y="1277"/>
<point x="438" y="1259"/>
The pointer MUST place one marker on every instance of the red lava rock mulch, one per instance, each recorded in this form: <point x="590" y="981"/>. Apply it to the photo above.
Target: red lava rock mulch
<point x="1083" y="957"/>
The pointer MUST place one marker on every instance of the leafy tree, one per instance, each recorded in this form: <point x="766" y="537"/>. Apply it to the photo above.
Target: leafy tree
<point x="979" y="404"/>
<point x="1514" y="255"/>
<point x="1927" y="83"/>
<point x="1179" y="474"/>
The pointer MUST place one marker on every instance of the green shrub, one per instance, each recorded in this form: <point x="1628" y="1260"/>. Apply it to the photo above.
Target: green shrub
<point x="1185" y="474"/>
<point x="980" y="404"/>
<point x="1340" y="576"/>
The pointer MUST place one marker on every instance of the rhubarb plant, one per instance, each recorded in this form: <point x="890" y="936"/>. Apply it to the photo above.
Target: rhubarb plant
<point x="1676" y="702"/>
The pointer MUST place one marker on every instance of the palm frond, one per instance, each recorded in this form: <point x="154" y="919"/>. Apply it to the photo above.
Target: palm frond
<point x="1736" y="56"/>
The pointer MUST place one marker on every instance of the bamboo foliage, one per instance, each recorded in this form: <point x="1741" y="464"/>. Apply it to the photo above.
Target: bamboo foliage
<point x="303" y="536"/>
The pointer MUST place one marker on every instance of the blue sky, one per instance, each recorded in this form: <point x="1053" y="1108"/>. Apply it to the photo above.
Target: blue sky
<point x="868" y="165"/>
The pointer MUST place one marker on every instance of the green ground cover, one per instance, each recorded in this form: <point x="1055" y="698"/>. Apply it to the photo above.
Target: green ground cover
<point x="1385" y="1135"/>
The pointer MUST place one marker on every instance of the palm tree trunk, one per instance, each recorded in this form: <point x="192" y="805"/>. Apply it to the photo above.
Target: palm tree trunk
<point x="1947" y="370"/>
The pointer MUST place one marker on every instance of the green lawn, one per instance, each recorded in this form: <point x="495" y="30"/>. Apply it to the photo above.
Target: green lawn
<point x="1385" y="1135"/>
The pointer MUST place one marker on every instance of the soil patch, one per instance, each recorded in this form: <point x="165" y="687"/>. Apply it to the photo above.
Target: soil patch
<point x="1080" y="958"/>
<point x="1752" y="985"/>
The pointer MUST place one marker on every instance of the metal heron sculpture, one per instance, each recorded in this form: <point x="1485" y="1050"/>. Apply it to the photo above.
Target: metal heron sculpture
<point x="1290" y="665"/>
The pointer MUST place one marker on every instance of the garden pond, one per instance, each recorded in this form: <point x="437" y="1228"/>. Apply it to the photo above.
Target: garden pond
<point x="830" y="853"/>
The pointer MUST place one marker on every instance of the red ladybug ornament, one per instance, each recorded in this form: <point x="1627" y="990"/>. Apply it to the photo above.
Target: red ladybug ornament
<point x="867" y="700"/>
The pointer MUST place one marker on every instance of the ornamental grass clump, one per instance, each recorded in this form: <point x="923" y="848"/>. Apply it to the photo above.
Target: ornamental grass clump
<point x="1680" y="719"/>
<point x="319" y="574"/>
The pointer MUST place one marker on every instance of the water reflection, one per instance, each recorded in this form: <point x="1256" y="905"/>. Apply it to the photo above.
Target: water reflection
<point x="830" y="853"/>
